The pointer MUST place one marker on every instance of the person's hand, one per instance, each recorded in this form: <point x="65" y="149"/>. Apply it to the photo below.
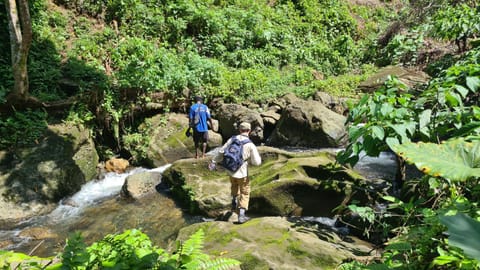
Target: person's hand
<point x="212" y="165"/>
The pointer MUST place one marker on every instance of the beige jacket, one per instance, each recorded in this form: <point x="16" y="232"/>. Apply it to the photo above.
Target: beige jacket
<point x="250" y="155"/>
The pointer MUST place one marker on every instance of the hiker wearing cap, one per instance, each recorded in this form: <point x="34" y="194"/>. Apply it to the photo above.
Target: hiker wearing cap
<point x="240" y="184"/>
<point x="198" y="116"/>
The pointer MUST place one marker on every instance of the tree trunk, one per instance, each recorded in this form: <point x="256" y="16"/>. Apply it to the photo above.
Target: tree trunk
<point x="20" y="30"/>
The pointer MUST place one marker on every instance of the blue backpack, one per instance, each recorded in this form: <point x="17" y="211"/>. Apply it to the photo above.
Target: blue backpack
<point x="233" y="155"/>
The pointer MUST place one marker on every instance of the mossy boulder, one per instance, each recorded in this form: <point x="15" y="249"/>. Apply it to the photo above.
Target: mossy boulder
<point x="197" y="188"/>
<point x="308" y="123"/>
<point x="286" y="183"/>
<point x="277" y="243"/>
<point x="167" y="139"/>
<point x="34" y="179"/>
<point x="408" y="76"/>
<point x="229" y="115"/>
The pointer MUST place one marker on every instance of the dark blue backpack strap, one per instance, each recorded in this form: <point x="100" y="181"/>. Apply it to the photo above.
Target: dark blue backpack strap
<point x="245" y="141"/>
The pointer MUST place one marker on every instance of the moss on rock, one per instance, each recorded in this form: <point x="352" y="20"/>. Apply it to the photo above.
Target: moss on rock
<point x="276" y="243"/>
<point x="286" y="183"/>
<point x="41" y="175"/>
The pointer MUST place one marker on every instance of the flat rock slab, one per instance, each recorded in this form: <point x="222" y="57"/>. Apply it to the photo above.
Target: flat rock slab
<point x="277" y="243"/>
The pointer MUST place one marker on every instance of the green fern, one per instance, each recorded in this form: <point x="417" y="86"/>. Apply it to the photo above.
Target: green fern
<point x="194" y="245"/>
<point x="219" y="264"/>
<point x="189" y="255"/>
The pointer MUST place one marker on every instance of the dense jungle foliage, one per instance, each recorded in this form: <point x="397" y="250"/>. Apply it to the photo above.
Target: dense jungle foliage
<point x="112" y="56"/>
<point x="110" y="59"/>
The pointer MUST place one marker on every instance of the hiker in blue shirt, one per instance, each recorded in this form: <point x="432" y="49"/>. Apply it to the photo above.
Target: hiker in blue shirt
<point x="199" y="115"/>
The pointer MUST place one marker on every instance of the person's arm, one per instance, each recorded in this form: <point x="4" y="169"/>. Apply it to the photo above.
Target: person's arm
<point x="209" y="117"/>
<point x="219" y="156"/>
<point x="211" y="122"/>
<point x="255" y="158"/>
<point x="190" y="116"/>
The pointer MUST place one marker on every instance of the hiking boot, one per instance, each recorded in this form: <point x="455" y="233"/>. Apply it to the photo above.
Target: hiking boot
<point x="242" y="219"/>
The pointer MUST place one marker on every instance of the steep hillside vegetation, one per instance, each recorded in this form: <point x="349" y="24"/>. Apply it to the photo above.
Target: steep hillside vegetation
<point x="234" y="49"/>
<point x="108" y="61"/>
<point x="102" y="62"/>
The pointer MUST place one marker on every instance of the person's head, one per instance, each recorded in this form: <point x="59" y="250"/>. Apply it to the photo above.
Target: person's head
<point x="198" y="99"/>
<point x="244" y="127"/>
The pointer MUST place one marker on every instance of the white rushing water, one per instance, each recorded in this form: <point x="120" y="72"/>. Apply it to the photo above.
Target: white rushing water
<point x="72" y="208"/>
<point x="381" y="167"/>
<point x="95" y="191"/>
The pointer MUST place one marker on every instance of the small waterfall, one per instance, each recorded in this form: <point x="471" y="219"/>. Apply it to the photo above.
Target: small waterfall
<point x="92" y="192"/>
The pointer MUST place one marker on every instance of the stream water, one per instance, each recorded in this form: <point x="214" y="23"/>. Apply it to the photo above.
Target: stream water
<point x="97" y="210"/>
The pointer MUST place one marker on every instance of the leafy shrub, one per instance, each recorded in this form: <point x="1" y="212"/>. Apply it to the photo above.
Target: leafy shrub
<point x="435" y="68"/>
<point x="249" y="84"/>
<point x="137" y="143"/>
<point x="457" y="23"/>
<point x="83" y="76"/>
<point x="131" y="249"/>
<point x="445" y="109"/>
<point x="22" y="128"/>
<point x="80" y="114"/>
<point x="177" y="45"/>
<point x="403" y="49"/>
<point x="420" y="242"/>
<point x="343" y="85"/>
<point x="44" y="67"/>
<point x="390" y="117"/>
<point x="57" y="20"/>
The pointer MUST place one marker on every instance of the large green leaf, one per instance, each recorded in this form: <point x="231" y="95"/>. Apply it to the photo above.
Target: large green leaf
<point x="464" y="232"/>
<point x="456" y="160"/>
<point x="473" y="83"/>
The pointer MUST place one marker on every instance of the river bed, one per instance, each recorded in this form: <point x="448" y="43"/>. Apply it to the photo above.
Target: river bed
<point x="97" y="210"/>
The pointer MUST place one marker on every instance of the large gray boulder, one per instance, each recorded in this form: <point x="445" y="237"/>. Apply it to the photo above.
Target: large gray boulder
<point x="139" y="184"/>
<point x="230" y="115"/>
<point x="308" y="123"/>
<point x="33" y="180"/>
<point x="336" y="104"/>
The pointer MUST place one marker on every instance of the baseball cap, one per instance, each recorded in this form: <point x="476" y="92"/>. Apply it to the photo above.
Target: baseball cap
<point x="244" y="126"/>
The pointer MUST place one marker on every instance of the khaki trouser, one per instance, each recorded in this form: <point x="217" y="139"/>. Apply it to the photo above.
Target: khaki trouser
<point x="240" y="188"/>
